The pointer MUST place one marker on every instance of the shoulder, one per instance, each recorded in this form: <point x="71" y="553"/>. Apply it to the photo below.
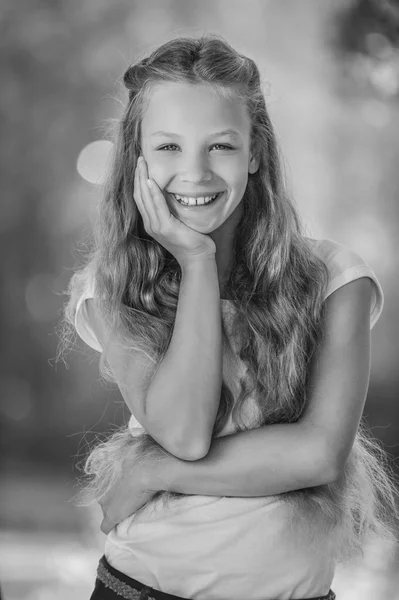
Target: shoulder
<point x="344" y="266"/>
<point x="83" y="318"/>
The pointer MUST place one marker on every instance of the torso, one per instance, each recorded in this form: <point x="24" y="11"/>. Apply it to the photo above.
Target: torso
<point x="204" y="546"/>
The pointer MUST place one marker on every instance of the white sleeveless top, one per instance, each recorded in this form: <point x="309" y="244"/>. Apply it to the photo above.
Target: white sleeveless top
<point x="214" y="548"/>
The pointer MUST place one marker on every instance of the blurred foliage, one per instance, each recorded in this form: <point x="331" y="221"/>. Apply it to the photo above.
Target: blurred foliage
<point x="362" y="18"/>
<point x="367" y="39"/>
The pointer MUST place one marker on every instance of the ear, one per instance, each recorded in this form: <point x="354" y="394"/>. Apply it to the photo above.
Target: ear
<point x="254" y="160"/>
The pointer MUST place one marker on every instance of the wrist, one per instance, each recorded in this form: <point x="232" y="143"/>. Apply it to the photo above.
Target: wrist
<point x="156" y="476"/>
<point x="197" y="260"/>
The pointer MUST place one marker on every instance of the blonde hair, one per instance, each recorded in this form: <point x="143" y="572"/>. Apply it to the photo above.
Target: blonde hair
<point x="276" y="285"/>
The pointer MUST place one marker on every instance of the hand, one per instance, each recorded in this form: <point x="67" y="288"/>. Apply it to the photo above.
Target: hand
<point x="180" y="240"/>
<point x="128" y="496"/>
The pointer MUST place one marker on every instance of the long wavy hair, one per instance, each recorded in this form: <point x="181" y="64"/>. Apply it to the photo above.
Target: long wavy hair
<point x="275" y="287"/>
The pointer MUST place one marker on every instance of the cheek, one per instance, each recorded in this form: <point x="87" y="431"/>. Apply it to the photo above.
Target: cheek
<point x="157" y="171"/>
<point x="241" y="180"/>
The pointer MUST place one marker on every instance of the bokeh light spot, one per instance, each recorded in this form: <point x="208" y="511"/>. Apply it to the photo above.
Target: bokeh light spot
<point x="93" y="161"/>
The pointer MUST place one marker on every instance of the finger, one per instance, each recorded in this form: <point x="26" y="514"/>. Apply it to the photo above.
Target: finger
<point x="138" y="199"/>
<point x="160" y="203"/>
<point x="157" y="197"/>
<point x="107" y="525"/>
<point x="148" y="200"/>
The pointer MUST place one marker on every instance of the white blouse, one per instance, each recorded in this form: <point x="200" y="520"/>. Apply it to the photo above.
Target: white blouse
<point x="211" y="547"/>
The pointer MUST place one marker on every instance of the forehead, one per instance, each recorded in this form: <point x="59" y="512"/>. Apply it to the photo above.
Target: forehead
<point x="185" y="108"/>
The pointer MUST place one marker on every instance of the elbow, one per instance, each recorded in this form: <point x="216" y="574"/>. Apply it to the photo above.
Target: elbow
<point x="329" y="470"/>
<point x="180" y="441"/>
<point x="191" y="450"/>
<point x="329" y="474"/>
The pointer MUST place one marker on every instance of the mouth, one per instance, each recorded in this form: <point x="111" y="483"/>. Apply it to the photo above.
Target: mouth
<point x="200" y="202"/>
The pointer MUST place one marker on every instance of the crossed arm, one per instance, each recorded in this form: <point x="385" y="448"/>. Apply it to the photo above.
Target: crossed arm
<point x="278" y="458"/>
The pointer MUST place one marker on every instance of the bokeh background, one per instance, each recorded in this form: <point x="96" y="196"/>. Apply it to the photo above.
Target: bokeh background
<point x="331" y="77"/>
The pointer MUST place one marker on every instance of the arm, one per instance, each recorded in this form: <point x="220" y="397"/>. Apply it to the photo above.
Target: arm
<point x="278" y="458"/>
<point x="178" y="405"/>
<point x="184" y="394"/>
<point x="177" y="400"/>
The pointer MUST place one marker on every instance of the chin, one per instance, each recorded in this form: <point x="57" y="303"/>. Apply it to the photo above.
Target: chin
<point x="206" y="229"/>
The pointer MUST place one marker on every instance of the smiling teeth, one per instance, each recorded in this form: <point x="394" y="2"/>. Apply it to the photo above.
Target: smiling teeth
<point x="194" y="201"/>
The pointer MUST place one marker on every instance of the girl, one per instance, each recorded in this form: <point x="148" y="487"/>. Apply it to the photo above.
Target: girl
<point x="241" y="347"/>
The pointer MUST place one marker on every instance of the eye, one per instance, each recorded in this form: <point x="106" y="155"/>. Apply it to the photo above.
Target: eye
<point x="224" y="146"/>
<point x="167" y="146"/>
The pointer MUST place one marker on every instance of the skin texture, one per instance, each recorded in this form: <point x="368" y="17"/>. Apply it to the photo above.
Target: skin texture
<point x="182" y="241"/>
<point x="190" y="162"/>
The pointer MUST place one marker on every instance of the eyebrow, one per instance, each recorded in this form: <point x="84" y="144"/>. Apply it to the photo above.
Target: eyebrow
<point x="225" y="132"/>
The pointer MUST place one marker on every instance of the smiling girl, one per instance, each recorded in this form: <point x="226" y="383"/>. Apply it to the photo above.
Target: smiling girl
<point x="240" y="346"/>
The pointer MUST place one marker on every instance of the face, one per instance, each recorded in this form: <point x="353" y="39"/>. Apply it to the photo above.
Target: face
<point x="196" y="145"/>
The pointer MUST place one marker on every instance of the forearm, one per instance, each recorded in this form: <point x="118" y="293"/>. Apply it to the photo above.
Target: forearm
<point x="261" y="462"/>
<point x="183" y="397"/>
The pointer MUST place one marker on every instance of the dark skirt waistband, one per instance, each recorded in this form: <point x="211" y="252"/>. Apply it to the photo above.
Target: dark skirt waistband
<point x="111" y="584"/>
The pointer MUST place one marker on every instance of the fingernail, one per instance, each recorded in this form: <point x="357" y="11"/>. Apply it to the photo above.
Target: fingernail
<point x="150" y="184"/>
<point x="140" y="159"/>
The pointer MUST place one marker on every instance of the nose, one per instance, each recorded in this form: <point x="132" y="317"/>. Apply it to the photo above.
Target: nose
<point x="196" y="169"/>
